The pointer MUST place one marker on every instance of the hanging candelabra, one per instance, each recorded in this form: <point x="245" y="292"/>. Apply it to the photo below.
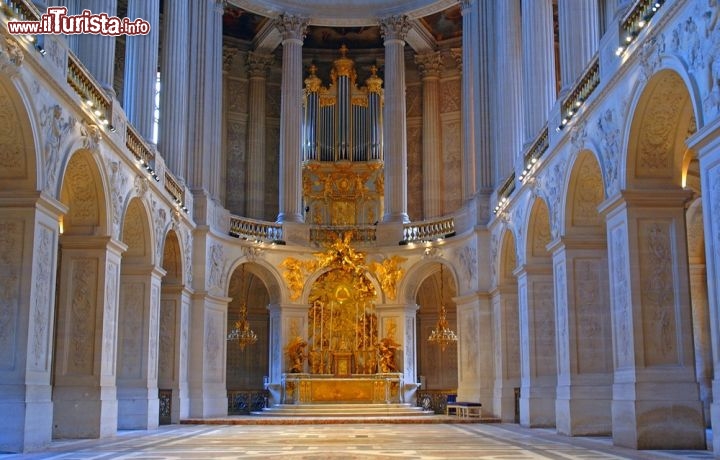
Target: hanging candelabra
<point x="442" y="335"/>
<point x="241" y="331"/>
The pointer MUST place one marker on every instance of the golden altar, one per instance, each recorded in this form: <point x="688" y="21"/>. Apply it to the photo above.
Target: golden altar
<point x="301" y="388"/>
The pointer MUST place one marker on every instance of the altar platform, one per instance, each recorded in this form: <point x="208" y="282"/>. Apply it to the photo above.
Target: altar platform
<point x="379" y="389"/>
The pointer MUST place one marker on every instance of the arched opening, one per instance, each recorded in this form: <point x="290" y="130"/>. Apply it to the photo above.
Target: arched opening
<point x="174" y="313"/>
<point x="506" y="337"/>
<point x="86" y="319"/>
<point x="437" y="367"/>
<point x="247" y="362"/>
<point x="648" y="251"/>
<point x="138" y="319"/>
<point x="585" y="366"/>
<point x="537" y="323"/>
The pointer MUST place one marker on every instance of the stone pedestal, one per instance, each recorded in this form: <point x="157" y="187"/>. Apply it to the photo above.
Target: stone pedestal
<point x="475" y="355"/>
<point x="655" y="391"/>
<point x="506" y="346"/>
<point x="172" y="363"/>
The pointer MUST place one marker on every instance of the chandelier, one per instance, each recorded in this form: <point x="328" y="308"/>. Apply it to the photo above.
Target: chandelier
<point x="241" y="331"/>
<point x="442" y="335"/>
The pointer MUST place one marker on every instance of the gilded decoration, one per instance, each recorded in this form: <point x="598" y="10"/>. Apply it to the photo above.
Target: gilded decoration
<point x="389" y="273"/>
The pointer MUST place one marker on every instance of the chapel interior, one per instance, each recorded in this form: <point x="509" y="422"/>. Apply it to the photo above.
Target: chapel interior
<point x="282" y="204"/>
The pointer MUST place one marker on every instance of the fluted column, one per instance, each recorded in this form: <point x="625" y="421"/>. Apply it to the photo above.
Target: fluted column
<point x="430" y="66"/>
<point x="292" y="29"/>
<point x="258" y="65"/>
<point x="470" y="42"/>
<point x="204" y="140"/>
<point x="538" y="65"/>
<point x="141" y="66"/>
<point x="97" y="52"/>
<point x="394" y="30"/>
<point x="172" y="141"/>
<point x="509" y="88"/>
<point x="579" y="37"/>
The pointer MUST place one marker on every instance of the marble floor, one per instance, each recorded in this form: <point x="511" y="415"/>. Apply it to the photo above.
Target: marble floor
<point x="356" y="441"/>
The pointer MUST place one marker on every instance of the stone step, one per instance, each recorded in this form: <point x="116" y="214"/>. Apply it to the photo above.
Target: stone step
<point x="344" y="410"/>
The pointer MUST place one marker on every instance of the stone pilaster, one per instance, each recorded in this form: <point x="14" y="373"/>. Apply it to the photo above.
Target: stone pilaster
<point x="174" y="102"/>
<point x="175" y="304"/>
<point x="468" y="59"/>
<point x="292" y="29"/>
<point x="654" y="372"/>
<point x="401" y="320"/>
<point x="538" y="367"/>
<point x="205" y="77"/>
<point x="84" y="391"/>
<point x="138" y="328"/>
<point x="258" y="65"/>
<point x="579" y="38"/>
<point x="430" y="66"/>
<point x="508" y="98"/>
<point x="141" y="65"/>
<point x="584" y="339"/>
<point x="475" y="355"/>
<point x="394" y="30"/>
<point x="97" y="52"/>
<point x="539" y="90"/>
<point x="506" y="345"/>
<point x="28" y="258"/>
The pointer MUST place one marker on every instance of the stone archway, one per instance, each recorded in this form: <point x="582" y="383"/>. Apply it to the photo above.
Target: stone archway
<point x="87" y="307"/>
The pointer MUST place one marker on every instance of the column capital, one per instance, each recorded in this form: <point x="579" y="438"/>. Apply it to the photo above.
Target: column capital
<point x="456" y="53"/>
<point x="465" y="6"/>
<point x="220" y="6"/>
<point x="258" y="63"/>
<point x="291" y="27"/>
<point x="395" y="28"/>
<point x="429" y="64"/>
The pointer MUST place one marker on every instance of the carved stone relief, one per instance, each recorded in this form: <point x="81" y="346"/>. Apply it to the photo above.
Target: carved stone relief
<point x="215" y="264"/>
<point x="81" y="331"/>
<point x="11" y="244"/>
<point x="11" y="55"/>
<point x="110" y="318"/>
<point x="588" y="195"/>
<point x="409" y="364"/>
<point x="622" y="318"/>
<point x="450" y="98"/>
<point x="236" y="161"/>
<point x="82" y="194"/>
<point x="543" y="311"/>
<point x="657" y="294"/>
<point x="187" y="253"/>
<point x="55" y="128"/>
<point x="467" y="255"/>
<point x="213" y="347"/>
<point x="153" y="339"/>
<point x="118" y="189"/>
<point x="593" y="317"/>
<point x="564" y="342"/>
<point x="413" y="96"/>
<point x="160" y="222"/>
<point x="541" y="232"/>
<point x="43" y="287"/>
<point x="415" y="172"/>
<point x="494" y="260"/>
<point x="134" y="231"/>
<point x="609" y="132"/>
<point x="13" y="162"/>
<point x="470" y="347"/>
<point x="550" y="187"/>
<point x="91" y="136"/>
<point x="131" y="330"/>
<point x="166" y="367"/>
<point x="452" y="164"/>
<point x="272" y="101"/>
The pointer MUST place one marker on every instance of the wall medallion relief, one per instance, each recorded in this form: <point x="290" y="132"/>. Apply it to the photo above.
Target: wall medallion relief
<point x="44" y="248"/>
<point x="609" y="132"/>
<point x="55" y="128"/>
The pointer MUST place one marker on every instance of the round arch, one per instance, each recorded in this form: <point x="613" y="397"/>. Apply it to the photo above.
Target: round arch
<point x="584" y="193"/>
<point x="84" y="190"/>
<point x="266" y="273"/>
<point x="539" y="234"/>
<point x="18" y="151"/>
<point x="136" y="233"/>
<point x="417" y="273"/>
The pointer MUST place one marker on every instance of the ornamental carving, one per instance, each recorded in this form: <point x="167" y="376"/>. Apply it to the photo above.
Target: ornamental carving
<point x="43" y="287"/>
<point x="83" y="295"/>
<point x="258" y="64"/>
<point x="429" y="64"/>
<point x="131" y="330"/>
<point x="215" y="265"/>
<point x="187" y="252"/>
<point x="91" y="136"/>
<point x="110" y="318"/>
<point x="118" y="184"/>
<point x="55" y="127"/>
<point x="11" y="55"/>
<point x="11" y="244"/>
<point x="228" y="57"/>
<point x="237" y="95"/>
<point x="562" y="320"/>
<point x="550" y="187"/>
<point x="658" y="298"/>
<point x="541" y="232"/>
<point x="82" y="193"/>
<point x="168" y="328"/>
<point x="395" y="27"/>
<point x="389" y="272"/>
<point x="160" y="221"/>
<point x="213" y="347"/>
<point x="621" y="297"/>
<point x="609" y="133"/>
<point x="13" y="161"/>
<point x="467" y="255"/>
<point x="450" y="100"/>
<point x="588" y="194"/>
<point x="291" y="27"/>
<point x="154" y="333"/>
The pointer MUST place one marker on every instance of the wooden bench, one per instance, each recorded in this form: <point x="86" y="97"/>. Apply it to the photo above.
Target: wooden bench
<point x="464" y="409"/>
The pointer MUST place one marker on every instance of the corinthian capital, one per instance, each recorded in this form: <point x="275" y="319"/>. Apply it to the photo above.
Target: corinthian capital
<point x="291" y="27"/>
<point x="258" y="64"/>
<point x="465" y="5"/>
<point x="429" y="64"/>
<point x="395" y="27"/>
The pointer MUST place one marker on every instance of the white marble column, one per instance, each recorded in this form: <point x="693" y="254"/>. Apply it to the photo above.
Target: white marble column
<point x="538" y="46"/>
<point x="394" y="30"/>
<point x="292" y="29"/>
<point x="475" y="349"/>
<point x="506" y="346"/>
<point x="584" y="339"/>
<point x="538" y="365"/>
<point x="276" y="358"/>
<point x="28" y="261"/>
<point x="138" y="349"/>
<point x="84" y="391"/>
<point x="205" y="77"/>
<point x="258" y="65"/>
<point x="430" y="66"/>
<point x="141" y="67"/>
<point x="579" y="38"/>
<point x="480" y="44"/>
<point x="175" y="303"/>
<point x="97" y="52"/>
<point x="174" y="102"/>
<point x="469" y="87"/>
<point x="652" y="322"/>
<point x="509" y="127"/>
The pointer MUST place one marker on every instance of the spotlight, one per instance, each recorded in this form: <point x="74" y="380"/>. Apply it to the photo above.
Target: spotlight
<point x="619" y="51"/>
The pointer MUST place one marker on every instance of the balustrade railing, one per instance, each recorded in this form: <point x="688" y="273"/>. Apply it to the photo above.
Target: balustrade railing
<point x="635" y="20"/>
<point x="20" y="9"/>
<point x="580" y="92"/>
<point x="255" y="230"/>
<point x="92" y="95"/>
<point x="428" y="230"/>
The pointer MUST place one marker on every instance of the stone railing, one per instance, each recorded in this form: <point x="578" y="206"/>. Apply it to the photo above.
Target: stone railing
<point x="322" y="235"/>
<point x="635" y="20"/>
<point x="255" y="230"/>
<point x="20" y="9"/>
<point x="580" y="92"/>
<point x="428" y="230"/>
<point x="92" y="95"/>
